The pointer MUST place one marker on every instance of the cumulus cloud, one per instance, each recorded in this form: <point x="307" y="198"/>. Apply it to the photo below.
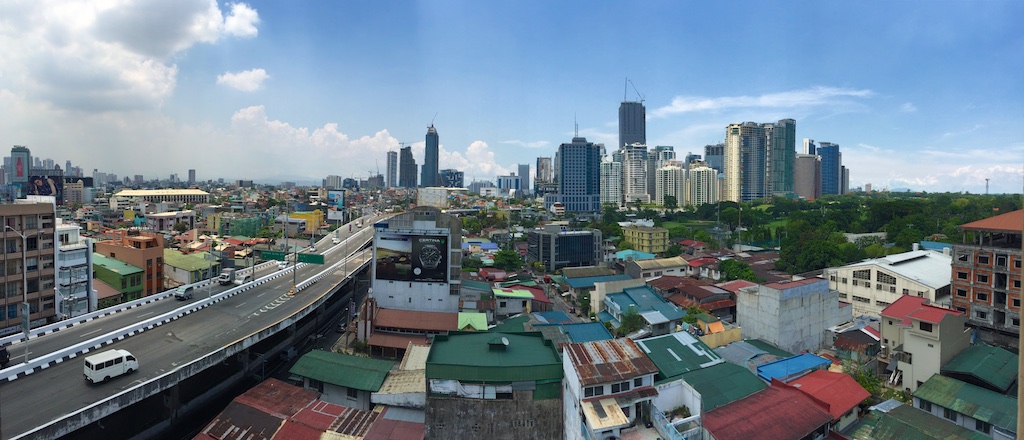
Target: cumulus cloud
<point x="908" y="107"/>
<point x="246" y="81"/>
<point x="84" y="55"/>
<point x="813" y="96"/>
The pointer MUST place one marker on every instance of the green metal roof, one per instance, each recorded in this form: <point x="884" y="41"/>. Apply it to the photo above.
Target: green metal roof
<point x="343" y="370"/>
<point x="512" y="293"/>
<point x="117" y="266"/>
<point x="515" y="324"/>
<point x="723" y="383"/>
<point x="908" y="423"/>
<point x="476" y="285"/>
<point x="482" y="357"/>
<point x="474" y="320"/>
<point x="971" y="400"/>
<point x="188" y="262"/>
<point x="678" y="353"/>
<point x="992" y="365"/>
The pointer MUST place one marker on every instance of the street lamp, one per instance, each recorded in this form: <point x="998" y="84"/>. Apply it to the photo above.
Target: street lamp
<point x="25" y="309"/>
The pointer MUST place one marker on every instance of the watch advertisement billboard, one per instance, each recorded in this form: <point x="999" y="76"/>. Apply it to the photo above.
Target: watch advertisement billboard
<point x="336" y="205"/>
<point x="422" y="258"/>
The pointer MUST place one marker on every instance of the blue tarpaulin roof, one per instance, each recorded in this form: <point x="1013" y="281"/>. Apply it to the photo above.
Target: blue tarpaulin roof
<point x="791" y="367"/>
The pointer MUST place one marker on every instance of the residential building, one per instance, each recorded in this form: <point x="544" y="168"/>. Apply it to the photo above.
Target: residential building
<point x="781" y="153"/>
<point x="590" y="291"/>
<point x="714" y="155"/>
<point x="180" y="269"/>
<point x="451" y="178"/>
<point x="779" y="412"/>
<point x="578" y="176"/>
<point x="611" y="183"/>
<point x="920" y="338"/>
<point x="342" y="379"/>
<point x="494" y="386"/>
<point x="332" y="181"/>
<point x="702" y="186"/>
<point x="125" y="279"/>
<point x="659" y="157"/>
<point x="391" y="167"/>
<point x="556" y="247"/>
<point x="670" y="181"/>
<point x="647" y="239"/>
<point x="832" y="170"/>
<point x="430" y="176"/>
<point x="608" y="388"/>
<point x="407" y="169"/>
<point x="986" y="280"/>
<point x="654" y="268"/>
<point x="807" y="176"/>
<point x="128" y="198"/>
<point x="793" y="315"/>
<point x="29" y="260"/>
<point x="840" y="391"/>
<point x="986" y="366"/>
<point x="745" y="162"/>
<point x="872" y="285"/>
<point x="165" y="221"/>
<point x="74" y="288"/>
<point x="139" y="249"/>
<point x="659" y="317"/>
<point x="973" y="407"/>
<point x="418" y="258"/>
<point x="634" y="173"/>
<point x="632" y="123"/>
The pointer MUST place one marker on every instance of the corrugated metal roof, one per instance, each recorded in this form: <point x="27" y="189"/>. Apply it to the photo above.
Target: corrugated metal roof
<point x="416" y="320"/>
<point x="1010" y="222"/>
<point x="723" y="383"/>
<point x="586" y="332"/>
<point x="909" y="307"/>
<point x="778" y="412"/>
<point x="838" y="390"/>
<point x="189" y="262"/>
<point x="607" y="361"/>
<point x="473" y="320"/>
<point x="929" y="268"/>
<point x="415" y="357"/>
<point x="117" y="266"/>
<point x="905" y="422"/>
<point x="792" y="366"/>
<point x="677" y="353"/>
<point x="404" y="382"/>
<point x="343" y="370"/>
<point x="662" y="263"/>
<point x="588" y="282"/>
<point x="477" y="357"/>
<point x="971" y="400"/>
<point x="992" y="365"/>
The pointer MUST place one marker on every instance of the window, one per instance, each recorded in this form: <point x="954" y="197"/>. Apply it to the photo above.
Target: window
<point x="1016" y="284"/>
<point x="502" y="304"/>
<point x="316" y="385"/>
<point x="593" y="391"/>
<point x="883" y="277"/>
<point x="980" y="314"/>
<point x="906" y="291"/>
<point x="982" y="427"/>
<point x="32" y="263"/>
<point x="861" y="299"/>
<point x="863" y="274"/>
<point x="842" y="295"/>
<point x="982" y="278"/>
<point x="925" y="326"/>
<point x="961" y="256"/>
<point x="1015" y="302"/>
<point x="981" y="296"/>
<point x="1001" y="260"/>
<point x="352" y="394"/>
<point x="638" y="382"/>
<point x="844" y="280"/>
<point x="881" y="303"/>
<point x="1016" y="263"/>
<point x="892" y="289"/>
<point x="949" y="414"/>
<point x="983" y="259"/>
<point x="620" y="387"/>
<point x="961" y="275"/>
<point x="925" y="405"/>
<point x="961" y="293"/>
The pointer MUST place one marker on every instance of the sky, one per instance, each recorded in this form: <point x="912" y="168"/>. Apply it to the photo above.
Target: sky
<point x="919" y="95"/>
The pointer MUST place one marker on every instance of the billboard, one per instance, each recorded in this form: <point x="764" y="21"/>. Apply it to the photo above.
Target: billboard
<point x="21" y="163"/>
<point x="52" y="186"/>
<point x="422" y="258"/>
<point x="336" y="205"/>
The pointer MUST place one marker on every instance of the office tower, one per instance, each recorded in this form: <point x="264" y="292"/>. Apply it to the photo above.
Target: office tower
<point x="430" y="176"/>
<point x="844" y="186"/>
<point x="452" y="178"/>
<point x="831" y="168"/>
<point x="333" y="182"/>
<point x="746" y="157"/>
<point x="714" y="156"/>
<point x="392" y="169"/>
<point x="781" y="138"/>
<point x="669" y="181"/>
<point x="690" y="158"/>
<point x="611" y="183"/>
<point x="657" y="157"/>
<point x="634" y="173"/>
<point x="510" y="185"/>
<point x="524" y="177"/>
<point x="191" y="177"/>
<point x="809" y="147"/>
<point x="807" y="176"/>
<point x="701" y="185"/>
<point x="406" y="169"/>
<point x="579" y="185"/>
<point x="632" y="124"/>
<point x="138" y="179"/>
<point x="544" y="171"/>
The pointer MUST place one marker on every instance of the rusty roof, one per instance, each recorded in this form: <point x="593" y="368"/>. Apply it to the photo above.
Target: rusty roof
<point x="609" y="361"/>
<point x="777" y="412"/>
<point x="1011" y="222"/>
<point x="416" y="320"/>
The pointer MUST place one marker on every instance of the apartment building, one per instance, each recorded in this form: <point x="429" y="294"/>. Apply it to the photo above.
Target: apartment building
<point x="139" y="249"/>
<point x="29" y="258"/>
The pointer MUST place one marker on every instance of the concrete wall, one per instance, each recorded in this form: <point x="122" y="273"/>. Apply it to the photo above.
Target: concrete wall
<point x="601" y="291"/>
<point x="484" y="419"/>
<point x="795" y="319"/>
<point x="719" y="339"/>
<point x="677" y="393"/>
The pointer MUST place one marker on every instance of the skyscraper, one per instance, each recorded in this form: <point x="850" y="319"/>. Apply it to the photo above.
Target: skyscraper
<point x="745" y="162"/>
<point x="391" y="168"/>
<point x="406" y="169"/>
<point x="579" y="185"/>
<point x="191" y="177"/>
<point x="781" y="153"/>
<point x="544" y="171"/>
<point x="632" y="123"/>
<point x="634" y="160"/>
<point x="669" y="181"/>
<point x="831" y="168"/>
<point x="807" y="176"/>
<point x="714" y="156"/>
<point x="809" y="147"/>
<point x="430" y="176"/>
<point x="657" y="157"/>
<point x="701" y="185"/>
<point x="611" y="183"/>
<point x="524" y="177"/>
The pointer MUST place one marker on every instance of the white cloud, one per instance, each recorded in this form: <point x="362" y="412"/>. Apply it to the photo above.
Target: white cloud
<point x="524" y="144"/>
<point x="242" y="21"/>
<point x="908" y="107"/>
<point x="813" y="96"/>
<point x="246" y="80"/>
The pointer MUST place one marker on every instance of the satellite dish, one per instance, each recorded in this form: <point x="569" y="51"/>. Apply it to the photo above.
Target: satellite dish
<point x="504" y="341"/>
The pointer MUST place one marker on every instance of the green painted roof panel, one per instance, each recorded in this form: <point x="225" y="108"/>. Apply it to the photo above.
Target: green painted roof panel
<point x="474" y="320"/>
<point x="482" y="357"/>
<point x="723" y="383"/>
<point x="908" y="423"/>
<point x="114" y="265"/>
<point x="992" y="365"/>
<point x="343" y="370"/>
<point x="971" y="400"/>
<point x="187" y="262"/>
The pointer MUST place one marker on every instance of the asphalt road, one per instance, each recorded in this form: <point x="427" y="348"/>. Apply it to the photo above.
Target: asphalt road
<point x="54" y="392"/>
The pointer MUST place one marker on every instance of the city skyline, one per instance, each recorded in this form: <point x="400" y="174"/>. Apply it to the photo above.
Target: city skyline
<point x="924" y="98"/>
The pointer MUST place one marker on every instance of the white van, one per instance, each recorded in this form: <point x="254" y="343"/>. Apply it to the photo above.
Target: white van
<point x="243" y="278"/>
<point x="112" y="363"/>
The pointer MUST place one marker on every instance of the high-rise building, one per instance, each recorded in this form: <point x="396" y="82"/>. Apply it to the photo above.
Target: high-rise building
<point x="701" y="185"/>
<point x="657" y="157"/>
<point x="76" y="295"/>
<point x="632" y="124"/>
<point x="430" y="173"/>
<point x="781" y="153"/>
<point x="29" y="260"/>
<point x="524" y="177"/>
<point x="429" y="243"/>
<point x="406" y="169"/>
<point x="611" y="183"/>
<point x="809" y="147"/>
<point x="831" y="168"/>
<point x="807" y="176"/>
<point x="714" y="155"/>
<point x="392" y="169"/>
<point x="452" y="178"/>
<point x="191" y="177"/>
<point x="634" y="173"/>
<point x="745" y="162"/>
<point x="579" y="184"/>
<point x="333" y="182"/>
<point x="669" y="182"/>
<point x="544" y="171"/>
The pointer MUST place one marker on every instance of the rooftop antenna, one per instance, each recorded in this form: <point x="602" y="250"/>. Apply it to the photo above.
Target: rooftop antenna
<point x="576" y="126"/>
<point x="625" y="89"/>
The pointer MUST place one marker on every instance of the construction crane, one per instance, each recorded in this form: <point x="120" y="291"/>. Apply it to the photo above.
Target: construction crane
<point x="625" y="91"/>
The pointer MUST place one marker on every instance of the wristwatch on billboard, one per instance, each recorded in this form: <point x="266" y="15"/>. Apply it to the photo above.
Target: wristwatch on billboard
<point x="430" y="256"/>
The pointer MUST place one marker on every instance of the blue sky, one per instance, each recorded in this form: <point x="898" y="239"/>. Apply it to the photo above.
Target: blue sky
<point x="918" y="95"/>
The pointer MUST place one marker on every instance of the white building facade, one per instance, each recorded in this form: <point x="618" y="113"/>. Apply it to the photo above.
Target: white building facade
<point x="75" y="294"/>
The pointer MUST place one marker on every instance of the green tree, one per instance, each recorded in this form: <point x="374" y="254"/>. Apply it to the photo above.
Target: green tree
<point x="509" y="260"/>
<point x="674" y="250"/>
<point x="631" y="321"/>
<point x="472" y="263"/>
<point x="671" y="203"/>
<point x="180" y="227"/>
<point x="737" y="270"/>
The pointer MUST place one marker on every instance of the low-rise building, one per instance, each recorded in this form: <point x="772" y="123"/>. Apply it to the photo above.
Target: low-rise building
<point x="840" y="391"/>
<point x="342" y="379"/>
<point x="647" y="269"/>
<point x="779" y="412"/>
<point x="920" y="338"/>
<point x="660" y="317"/>
<point x="970" y="406"/>
<point x="871" y="285"/>
<point x="794" y="315"/>
<point x="647" y="238"/>
<point x="555" y="246"/>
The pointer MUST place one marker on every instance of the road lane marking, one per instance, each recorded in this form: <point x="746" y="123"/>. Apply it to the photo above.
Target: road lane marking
<point x="94" y="331"/>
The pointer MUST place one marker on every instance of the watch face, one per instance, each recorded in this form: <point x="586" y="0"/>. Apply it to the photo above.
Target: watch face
<point x="430" y="256"/>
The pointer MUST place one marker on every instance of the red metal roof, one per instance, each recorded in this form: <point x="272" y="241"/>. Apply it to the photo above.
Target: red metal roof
<point x="838" y="390"/>
<point x="735" y="286"/>
<point x="391" y="340"/>
<point x="385" y="429"/>
<point x="1012" y="222"/>
<point x="609" y="361"/>
<point x="873" y="332"/>
<point x="783" y="285"/>
<point x="909" y="307"/>
<point x="417" y="320"/>
<point x="779" y="412"/>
